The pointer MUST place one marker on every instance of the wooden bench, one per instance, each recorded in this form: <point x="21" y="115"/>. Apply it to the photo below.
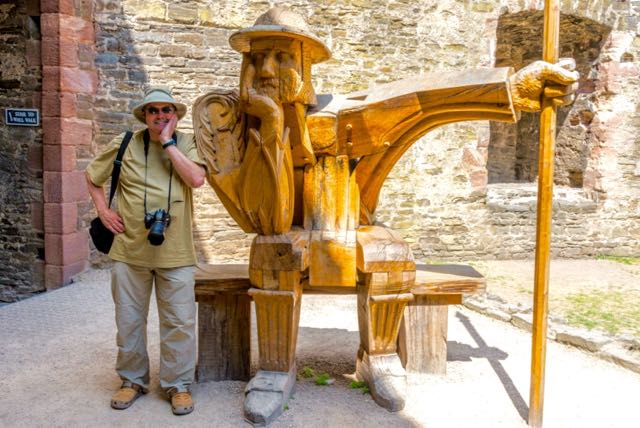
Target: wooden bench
<point x="224" y="319"/>
<point x="422" y="341"/>
<point x="224" y="322"/>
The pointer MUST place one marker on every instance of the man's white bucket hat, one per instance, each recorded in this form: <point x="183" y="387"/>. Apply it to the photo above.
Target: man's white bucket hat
<point x="158" y="95"/>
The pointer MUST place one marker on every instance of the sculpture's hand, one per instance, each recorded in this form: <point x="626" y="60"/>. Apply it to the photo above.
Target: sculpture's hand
<point x="260" y="106"/>
<point x="558" y="82"/>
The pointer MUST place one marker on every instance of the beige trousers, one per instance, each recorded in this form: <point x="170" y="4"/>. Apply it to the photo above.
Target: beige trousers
<point x="131" y="289"/>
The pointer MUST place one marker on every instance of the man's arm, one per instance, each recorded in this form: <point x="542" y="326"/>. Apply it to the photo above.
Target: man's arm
<point x="190" y="172"/>
<point x="109" y="218"/>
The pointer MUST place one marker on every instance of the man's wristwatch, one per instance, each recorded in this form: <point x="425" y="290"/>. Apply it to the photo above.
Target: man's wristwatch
<point x="171" y="142"/>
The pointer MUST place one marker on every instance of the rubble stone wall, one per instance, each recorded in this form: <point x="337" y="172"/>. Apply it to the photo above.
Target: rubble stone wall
<point x="465" y="191"/>
<point x="21" y="206"/>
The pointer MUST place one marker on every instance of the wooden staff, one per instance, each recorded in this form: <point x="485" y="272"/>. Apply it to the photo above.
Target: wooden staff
<point x="543" y="223"/>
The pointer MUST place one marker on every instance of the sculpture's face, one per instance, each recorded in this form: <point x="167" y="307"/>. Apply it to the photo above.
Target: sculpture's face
<point x="278" y="69"/>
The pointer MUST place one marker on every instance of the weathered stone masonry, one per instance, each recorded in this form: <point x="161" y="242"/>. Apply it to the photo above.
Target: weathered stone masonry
<point x="21" y="207"/>
<point x="465" y="192"/>
<point x="47" y="63"/>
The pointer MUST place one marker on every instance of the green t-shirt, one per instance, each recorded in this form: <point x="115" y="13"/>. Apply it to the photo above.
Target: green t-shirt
<point x="132" y="246"/>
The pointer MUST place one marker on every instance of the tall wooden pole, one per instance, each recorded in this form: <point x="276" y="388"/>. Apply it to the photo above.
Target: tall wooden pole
<point x="543" y="224"/>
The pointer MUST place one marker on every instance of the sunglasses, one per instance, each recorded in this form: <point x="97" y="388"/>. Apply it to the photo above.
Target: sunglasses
<point x="155" y="110"/>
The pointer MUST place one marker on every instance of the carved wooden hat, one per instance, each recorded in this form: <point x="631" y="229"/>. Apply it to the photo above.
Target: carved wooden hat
<point x="281" y="22"/>
<point x="158" y="95"/>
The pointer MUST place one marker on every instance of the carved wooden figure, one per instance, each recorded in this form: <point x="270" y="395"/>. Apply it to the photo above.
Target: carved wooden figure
<point x="305" y="172"/>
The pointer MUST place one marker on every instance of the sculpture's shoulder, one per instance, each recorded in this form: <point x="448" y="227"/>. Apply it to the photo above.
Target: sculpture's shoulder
<point x="332" y="105"/>
<point x="218" y="125"/>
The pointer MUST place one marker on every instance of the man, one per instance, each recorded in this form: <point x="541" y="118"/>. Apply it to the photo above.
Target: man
<point x="318" y="164"/>
<point x="159" y="169"/>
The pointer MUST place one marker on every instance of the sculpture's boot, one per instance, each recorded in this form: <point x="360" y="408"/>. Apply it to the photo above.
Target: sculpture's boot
<point x="385" y="377"/>
<point x="378" y="364"/>
<point x="277" y="316"/>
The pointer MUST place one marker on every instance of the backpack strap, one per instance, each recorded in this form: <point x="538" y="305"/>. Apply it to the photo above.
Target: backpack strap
<point x="117" y="164"/>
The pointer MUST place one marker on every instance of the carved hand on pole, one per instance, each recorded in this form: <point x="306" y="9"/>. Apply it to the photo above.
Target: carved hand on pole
<point x="558" y="82"/>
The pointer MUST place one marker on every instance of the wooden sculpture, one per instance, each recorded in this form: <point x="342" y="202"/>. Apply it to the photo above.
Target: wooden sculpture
<point x="305" y="172"/>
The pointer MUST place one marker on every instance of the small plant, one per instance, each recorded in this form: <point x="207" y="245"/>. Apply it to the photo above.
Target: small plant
<point x="307" y="372"/>
<point x="286" y="407"/>
<point x="620" y="259"/>
<point x="323" y="379"/>
<point x="360" y="385"/>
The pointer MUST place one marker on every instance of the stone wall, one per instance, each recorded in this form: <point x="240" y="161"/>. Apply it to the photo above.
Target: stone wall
<point x="21" y="212"/>
<point x="464" y="191"/>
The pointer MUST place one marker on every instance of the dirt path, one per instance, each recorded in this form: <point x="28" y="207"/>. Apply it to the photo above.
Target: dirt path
<point x="59" y="349"/>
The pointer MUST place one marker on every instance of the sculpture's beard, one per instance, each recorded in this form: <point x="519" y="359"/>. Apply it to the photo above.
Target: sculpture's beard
<point x="284" y="90"/>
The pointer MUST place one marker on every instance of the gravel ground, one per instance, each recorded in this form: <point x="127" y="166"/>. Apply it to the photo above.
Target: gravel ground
<point x="59" y="352"/>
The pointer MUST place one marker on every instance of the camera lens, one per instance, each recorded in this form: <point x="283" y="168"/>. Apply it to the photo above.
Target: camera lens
<point x="159" y="220"/>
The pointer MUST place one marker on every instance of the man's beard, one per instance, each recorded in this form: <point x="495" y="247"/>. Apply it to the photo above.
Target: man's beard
<point x="284" y="90"/>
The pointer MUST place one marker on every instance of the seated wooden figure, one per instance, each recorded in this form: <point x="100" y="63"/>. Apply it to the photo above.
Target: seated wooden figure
<point x="305" y="172"/>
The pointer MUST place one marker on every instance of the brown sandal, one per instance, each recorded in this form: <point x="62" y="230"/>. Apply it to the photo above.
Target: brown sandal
<point x="181" y="403"/>
<point x="126" y="395"/>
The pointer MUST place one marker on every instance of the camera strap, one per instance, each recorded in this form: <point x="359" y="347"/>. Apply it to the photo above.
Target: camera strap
<point x="146" y="139"/>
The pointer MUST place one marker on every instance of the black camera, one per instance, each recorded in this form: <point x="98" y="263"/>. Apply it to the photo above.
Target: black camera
<point x="156" y="222"/>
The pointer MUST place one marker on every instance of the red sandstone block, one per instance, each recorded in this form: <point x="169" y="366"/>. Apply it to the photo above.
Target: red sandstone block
<point x="63" y="104"/>
<point x="59" y="158"/>
<point x="50" y="51"/>
<point x="472" y="158"/>
<point x="67" y="27"/>
<point x="64" y="187"/>
<point x="57" y="276"/>
<point x="60" y="218"/>
<point x="50" y="25"/>
<point x="59" y="52"/>
<point x="78" y="81"/>
<point x="34" y="158"/>
<point x="77" y="29"/>
<point x="37" y="215"/>
<point x="67" y="131"/>
<point x="65" y="249"/>
<point x="50" y="78"/>
<point x="479" y="179"/>
<point x="57" y="6"/>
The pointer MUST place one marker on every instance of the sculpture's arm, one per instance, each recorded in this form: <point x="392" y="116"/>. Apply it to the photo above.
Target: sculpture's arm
<point x="374" y="120"/>
<point x="385" y="114"/>
<point x="393" y="117"/>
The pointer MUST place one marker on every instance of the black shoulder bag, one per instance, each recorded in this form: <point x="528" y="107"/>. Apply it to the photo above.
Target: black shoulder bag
<point x="101" y="236"/>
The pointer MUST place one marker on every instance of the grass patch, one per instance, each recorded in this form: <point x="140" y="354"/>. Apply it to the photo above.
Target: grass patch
<point x="360" y="385"/>
<point x="620" y="259"/>
<point x="612" y="311"/>
<point x="323" y="379"/>
<point x="307" y="372"/>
